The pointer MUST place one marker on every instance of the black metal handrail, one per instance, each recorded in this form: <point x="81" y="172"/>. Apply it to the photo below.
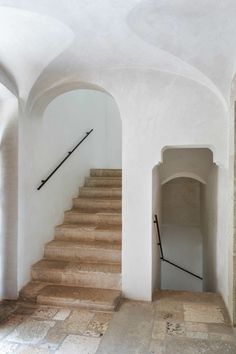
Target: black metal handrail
<point x="162" y="254"/>
<point x="61" y="163"/>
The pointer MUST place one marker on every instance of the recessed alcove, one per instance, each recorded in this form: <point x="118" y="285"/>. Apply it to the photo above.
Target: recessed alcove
<point x="185" y="202"/>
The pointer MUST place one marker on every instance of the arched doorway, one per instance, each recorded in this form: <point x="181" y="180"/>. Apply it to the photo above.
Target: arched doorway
<point x="53" y="130"/>
<point x="182" y="238"/>
<point x="185" y="202"/>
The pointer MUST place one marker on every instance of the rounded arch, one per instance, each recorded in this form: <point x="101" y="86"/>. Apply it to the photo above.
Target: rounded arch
<point x="211" y="148"/>
<point x="184" y="174"/>
<point x="39" y="104"/>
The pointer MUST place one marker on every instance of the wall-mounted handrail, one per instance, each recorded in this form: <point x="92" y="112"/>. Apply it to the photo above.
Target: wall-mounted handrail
<point x="163" y="259"/>
<point x="61" y="163"/>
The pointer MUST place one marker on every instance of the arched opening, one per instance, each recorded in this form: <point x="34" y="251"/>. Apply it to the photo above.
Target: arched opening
<point x="65" y="120"/>
<point x="182" y="238"/>
<point x="185" y="202"/>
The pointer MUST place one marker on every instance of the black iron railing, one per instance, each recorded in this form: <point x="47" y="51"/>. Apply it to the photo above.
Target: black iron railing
<point x="162" y="253"/>
<point x="61" y="163"/>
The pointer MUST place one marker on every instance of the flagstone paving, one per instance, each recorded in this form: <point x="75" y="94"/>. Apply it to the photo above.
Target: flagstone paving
<point x="174" y="323"/>
<point x="33" y="329"/>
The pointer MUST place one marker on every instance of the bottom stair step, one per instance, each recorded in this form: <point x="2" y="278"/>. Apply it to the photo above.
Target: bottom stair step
<point x="71" y="296"/>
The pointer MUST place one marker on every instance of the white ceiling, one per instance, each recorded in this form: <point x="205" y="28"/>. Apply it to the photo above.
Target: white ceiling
<point x="45" y="42"/>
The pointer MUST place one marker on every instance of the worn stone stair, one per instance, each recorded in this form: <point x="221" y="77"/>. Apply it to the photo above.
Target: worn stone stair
<point x="82" y="265"/>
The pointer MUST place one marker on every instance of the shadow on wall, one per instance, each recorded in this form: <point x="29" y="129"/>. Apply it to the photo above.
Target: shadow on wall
<point x="185" y="200"/>
<point x="9" y="209"/>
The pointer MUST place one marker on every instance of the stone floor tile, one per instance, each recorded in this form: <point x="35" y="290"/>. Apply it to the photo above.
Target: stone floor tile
<point x="175" y="328"/>
<point x="98" y="325"/>
<point x="53" y="339"/>
<point x="76" y="323"/>
<point x="196" y="327"/>
<point x="6" y="309"/>
<point x="129" y="330"/>
<point x="28" y="349"/>
<point x="197" y="346"/>
<point x="6" y="327"/>
<point x="159" y="330"/>
<point x="45" y="312"/>
<point x="79" y="344"/>
<point x="62" y="315"/>
<point x="30" y="331"/>
<point x="157" y="347"/>
<point x="206" y="313"/>
<point x="167" y="315"/>
<point x="8" y="347"/>
<point x="25" y="310"/>
<point x="168" y="306"/>
<point x="197" y="335"/>
<point x="219" y="328"/>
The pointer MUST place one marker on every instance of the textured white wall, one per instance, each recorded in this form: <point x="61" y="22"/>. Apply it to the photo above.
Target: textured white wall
<point x="44" y="141"/>
<point x="156" y="209"/>
<point x="8" y="195"/>
<point x="181" y="234"/>
<point x="209" y="200"/>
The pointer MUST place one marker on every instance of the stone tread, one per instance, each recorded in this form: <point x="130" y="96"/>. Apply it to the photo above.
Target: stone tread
<point x="103" y="182"/>
<point x="79" y="244"/>
<point x="90" y="233"/>
<point x="97" y="204"/>
<point x="93" y="298"/>
<point x="77" y="211"/>
<point x="105" y="228"/>
<point x="101" y="193"/>
<point x="72" y="296"/>
<point x="97" y="200"/>
<point x="106" y="172"/>
<point x="74" y="266"/>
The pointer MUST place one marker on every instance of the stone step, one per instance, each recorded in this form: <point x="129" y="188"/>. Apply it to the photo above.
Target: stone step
<point x="75" y="232"/>
<point x="96" y="252"/>
<point x="100" y="192"/>
<point x="103" y="182"/>
<point x="88" y="275"/>
<point x="103" y="172"/>
<point x="71" y="296"/>
<point x="97" y="205"/>
<point x="76" y="217"/>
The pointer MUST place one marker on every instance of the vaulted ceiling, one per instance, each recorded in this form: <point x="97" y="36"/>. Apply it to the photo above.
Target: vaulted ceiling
<point x="45" y="43"/>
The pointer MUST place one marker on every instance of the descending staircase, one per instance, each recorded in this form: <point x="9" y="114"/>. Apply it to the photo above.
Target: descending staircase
<point x="82" y="265"/>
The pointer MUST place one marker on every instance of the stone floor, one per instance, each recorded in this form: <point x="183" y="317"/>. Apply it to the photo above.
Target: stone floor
<point x="31" y="329"/>
<point x="174" y="323"/>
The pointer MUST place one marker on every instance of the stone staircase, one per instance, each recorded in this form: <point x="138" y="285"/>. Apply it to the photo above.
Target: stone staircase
<point x="82" y="265"/>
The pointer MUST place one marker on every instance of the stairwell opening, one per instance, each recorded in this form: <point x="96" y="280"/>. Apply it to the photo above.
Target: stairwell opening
<point x="74" y="233"/>
<point x="185" y="200"/>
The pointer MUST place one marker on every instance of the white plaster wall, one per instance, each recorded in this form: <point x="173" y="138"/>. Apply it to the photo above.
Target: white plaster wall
<point x="44" y="141"/>
<point x="181" y="234"/>
<point x="8" y="194"/>
<point x="156" y="114"/>
<point x="156" y="209"/>
<point x="215" y="220"/>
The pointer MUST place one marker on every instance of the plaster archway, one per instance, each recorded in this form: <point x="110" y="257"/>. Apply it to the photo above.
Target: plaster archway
<point x="58" y="121"/>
